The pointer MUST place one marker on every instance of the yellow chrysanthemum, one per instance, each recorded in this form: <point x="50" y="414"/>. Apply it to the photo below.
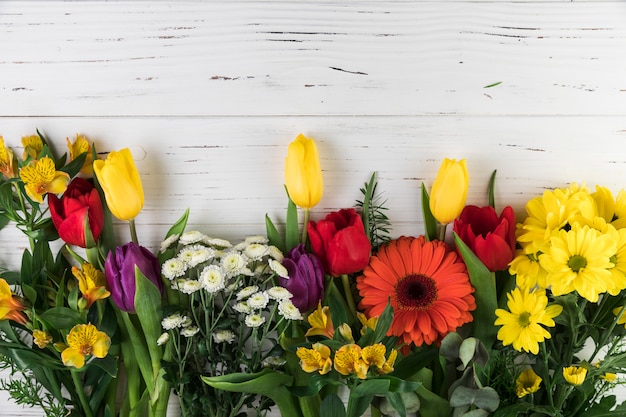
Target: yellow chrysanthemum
<point x="315" y="359"/>
<point x="80" y="146"/>
<point x="521" y="325"/>
<point x="84" y="340"/>
<point x="613" y="210"/>
<point x="527" y="382"/>
<point x="32" y="146"/>
<point x="7" y="160"/>
<point x="40" y="177"/>
<point x="579" y="260"/>
<point x="92" y="283"/>
<point x="41" y="338"/>
<point x="321" y="323"/>
<point x="348" y="360"/>
<point x="528" y="271"/>
<point x="574" y="375"/>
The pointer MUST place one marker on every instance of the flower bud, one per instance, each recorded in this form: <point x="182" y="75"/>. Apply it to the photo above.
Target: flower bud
<point x="449" y="191"/>
<point x="303" y="174"/>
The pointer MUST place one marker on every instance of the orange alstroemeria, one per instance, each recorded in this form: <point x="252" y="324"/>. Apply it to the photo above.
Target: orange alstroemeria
<point x="79" y="147"/>
<point x="10" y="307"/>
<point x="92" y="283"/>
<point x="321" y="323"/>
<point x="82" y="341"/>
<point x="40" y="177"/>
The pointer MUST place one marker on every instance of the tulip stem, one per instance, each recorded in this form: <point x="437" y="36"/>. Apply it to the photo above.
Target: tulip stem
<point x="345" y="279"/>
<point x="133" y="231"/>
<point x="81" y="394"/>
<point x="442" y="232"/>
<point x="307" y="214"/>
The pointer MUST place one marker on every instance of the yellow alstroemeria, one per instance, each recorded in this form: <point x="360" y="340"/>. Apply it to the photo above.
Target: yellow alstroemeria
<point x="82" y="341"/>
<point x="303" y="173"/>
<point x="366" y="323"/>
<point x="33" y="146"/>
<point x="8" y="162"/>
<point x="348" y="360"/>
<point x="374" y="355"/>
<point x="315" y="359"/>
<point x="10" y="307"/>
<point x="389" y="363"/>
<point x="575" y="375"/>
<point x="80" y="146"/>
<point x="120" y="181"/>
<point x="92" y="283"/>
<point x="449" y="191"/>
<point x="41" y="338"/>
<point x="40" y="177"/>
<point x="321" y="323"/>
<point x="527" y="382"/>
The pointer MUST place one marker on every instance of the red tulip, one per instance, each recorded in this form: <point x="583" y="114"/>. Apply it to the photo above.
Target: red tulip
<point x="490" y="237"/>
<point x="77" y="212"/>
<point x="340" y="242"/>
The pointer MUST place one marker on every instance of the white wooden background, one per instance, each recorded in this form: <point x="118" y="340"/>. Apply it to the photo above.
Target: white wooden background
<point x="209" y="94"/>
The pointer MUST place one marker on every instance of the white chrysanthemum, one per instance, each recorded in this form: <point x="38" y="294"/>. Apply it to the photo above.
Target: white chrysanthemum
<point x="163" y="339"/>
<point x="173" y="268"/>
<point x="233" y="263"/>
<point x="240" y="246"/>
<point x="212" y="279"/>
<point x="273" y="362"/>
<point x="278" y="268"/>
<point x="217" y="242"/>
<point x="289" y="311"/>
<point x="224" y="336"/>
<point x="258" y="300"/>
<point x="247" y="272"/>
<point x="185" y="322"/>
<point x="256" y="239"/>
<point x="256" y="251"/>
<point x="195" y="255"/>
<point x="247" y="292"/>
<point x="190" y="286"/>
<point x="279" y="293"/>
<point x="260" y="269"/>
<point x="172" y="321"/>
<point x="233" y="286"/>
<point x="275" y="253"/>
<point x="254" y="320"/>
<point x="193" y="236"/>
<point x="165" y="245"/>
<point x="189" y="331"/>
<point x="242" y="308"/>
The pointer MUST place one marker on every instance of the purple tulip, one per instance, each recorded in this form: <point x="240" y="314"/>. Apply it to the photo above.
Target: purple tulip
<point x="306" y="278"/>
<point x="119" y="269"/>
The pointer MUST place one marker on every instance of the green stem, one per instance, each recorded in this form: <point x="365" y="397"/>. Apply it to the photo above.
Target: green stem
<point x="133" y="231"/>
<point x="81" y="393"/>
<point x="544" y="353"/>
<point x="442" y="232"/>
<point x="345" y="279"/>
<point x="307" y="215"/>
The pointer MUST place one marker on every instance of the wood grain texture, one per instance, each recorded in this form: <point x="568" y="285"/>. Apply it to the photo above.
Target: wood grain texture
<point x="207" y="94"/>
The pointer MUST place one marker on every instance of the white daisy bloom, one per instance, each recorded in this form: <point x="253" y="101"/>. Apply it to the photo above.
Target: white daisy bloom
<point x="278" y="268"/>
<point x="189" y="331"/>
<point x="256" y="239"/>
<point x="212" y="279"/>
<point x="200" y="255"/>
<point x="256" y="251"/>
<point x="172" y="321"/>
<point x="254" y="320"/>
<point x="233" y="263"/>
<point x="258" y="300"/>
<point x="242" y="308"/>
<point x="163" y="339"/>
<point x="193" y="236"/>
<point x="173" y="268"/>
<point x="279" y="293"/>
<point x="223" y="336"/>
<point x="247" y="292"/>
<point x="275" y="253"/>
<point x="165" y="245"/>
<point x="185" y="322"/>
<point x="214" y="241"/>
<point x="289" y="311"/>
<point x="190" y="286"/>
<point x="273" y="362"/>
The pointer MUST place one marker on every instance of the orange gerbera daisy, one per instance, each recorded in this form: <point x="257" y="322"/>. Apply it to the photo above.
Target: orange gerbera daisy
<point x="427" y="284"/>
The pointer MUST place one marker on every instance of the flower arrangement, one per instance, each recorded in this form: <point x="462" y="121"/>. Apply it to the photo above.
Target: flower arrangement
<point x="479" y="315"/>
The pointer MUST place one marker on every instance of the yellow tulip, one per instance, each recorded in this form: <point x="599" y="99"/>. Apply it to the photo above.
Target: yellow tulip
<point x="121" y="184"/>
<point x="303" y="174"/>
<point x="449" y="192"/>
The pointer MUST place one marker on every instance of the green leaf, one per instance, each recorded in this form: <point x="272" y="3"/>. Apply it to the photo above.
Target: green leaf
<point x="332" y="406"/>
<point x="292" y="228"/>
<point x="361" y="396"/>
<point x="148" y="309"/>
<point x="368" y="193"/>
<point x="61" y="317"/>
<point x="384" y="323"/>
<point x="74" y="166"/>
<point x="397" y="403"/>
<point x="177" y="229"/>
<point x="400" y="385"/>
<point x="432" y="405"/>
<point x="492" y="185"/>
<point x="273" y="236"/>
<point x="410" y="365"/>
<point x="337" y="304"/>
<point x="315" y="384"/>
<point x="485" y="296"/>
<point x="485" y="398"/>
<point x="430" y="223"/>
<point x="29" y="293"/>
<point x="108" y="364"/>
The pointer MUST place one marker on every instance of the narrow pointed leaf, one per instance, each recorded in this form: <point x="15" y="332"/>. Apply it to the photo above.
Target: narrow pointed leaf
<point x="430" y="223"/>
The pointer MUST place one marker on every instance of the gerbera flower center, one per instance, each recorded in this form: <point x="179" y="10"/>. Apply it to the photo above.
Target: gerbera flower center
<point x="416" y="292"/>
<point x="577" y="262"/>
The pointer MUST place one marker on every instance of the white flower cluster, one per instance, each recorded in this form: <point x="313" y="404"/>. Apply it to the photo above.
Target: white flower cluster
<point x="177" y="321"/>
